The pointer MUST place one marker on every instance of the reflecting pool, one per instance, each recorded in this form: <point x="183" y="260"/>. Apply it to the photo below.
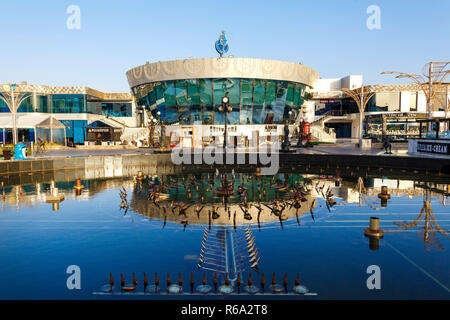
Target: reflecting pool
<point x="297" y="236"/>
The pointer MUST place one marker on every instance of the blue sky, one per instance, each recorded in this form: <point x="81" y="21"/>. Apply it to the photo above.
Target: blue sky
<point x="330" y="36"/>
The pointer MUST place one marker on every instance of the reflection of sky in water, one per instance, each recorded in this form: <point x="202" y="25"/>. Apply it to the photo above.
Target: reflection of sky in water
<point x="331" y="254"/>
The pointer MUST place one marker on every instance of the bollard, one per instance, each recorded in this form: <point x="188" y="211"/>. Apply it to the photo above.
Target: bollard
<point x="78" y="186"/>
<point x="384" y="196"/>
<point x="374" y="233"/>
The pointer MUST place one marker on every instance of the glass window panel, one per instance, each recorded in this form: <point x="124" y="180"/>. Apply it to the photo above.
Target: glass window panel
<point x="257" y="116"/>
<point x="233" y="88"/>
<point x="296" y="94"/>
<point x="259" y="93"/>
<point x="271" y="90"/>
<point x="208" y="114"/>
<point x="181" y="93"/>
<point x="246" y="92"/>
<point x="26" y="105"/>
<point x="233" y="116"/>
<point x="152" y="99"/>
<point x="68" y="103"/>
<point x="246" y="115"/>
<point x="184" y="115"/>
<point x="279" y="108"/>
<point x="196" y="112"/>
<point x="172" y="116"/>
<point x="193" y="93"/>
<point x="290" y="95"/>
<point x="3" y="106"/>
<point x="219" y="117"/>
<point x="169" y="94"/>
<point x="220" y="87"/>
<point x="206" y="96"/>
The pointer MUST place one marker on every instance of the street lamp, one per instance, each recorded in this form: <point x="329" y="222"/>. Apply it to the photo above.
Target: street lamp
<point x="159" y="116"/>
<point x="225" y="107"/>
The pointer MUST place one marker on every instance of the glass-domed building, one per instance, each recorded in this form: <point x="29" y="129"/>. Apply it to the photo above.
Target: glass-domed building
<point x="189" y="92"/>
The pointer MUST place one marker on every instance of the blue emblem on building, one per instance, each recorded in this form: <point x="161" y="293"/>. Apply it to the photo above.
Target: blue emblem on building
<point x="222" y="44"/>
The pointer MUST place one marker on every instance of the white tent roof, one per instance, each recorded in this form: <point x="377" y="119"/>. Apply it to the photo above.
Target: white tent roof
<point x="29" y="121"/>
<point x="50" y="122"/>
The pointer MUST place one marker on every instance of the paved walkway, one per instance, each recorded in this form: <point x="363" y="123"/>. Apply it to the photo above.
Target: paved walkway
<point x="342" y="147"/>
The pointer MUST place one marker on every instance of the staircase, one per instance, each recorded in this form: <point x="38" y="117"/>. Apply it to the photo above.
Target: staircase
<point x="319" y="133"/>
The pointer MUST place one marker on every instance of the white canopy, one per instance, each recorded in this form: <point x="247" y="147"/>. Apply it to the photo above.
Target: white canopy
<point x="48" y="126"/>
<point x="50" y="123"/>
<point x="22" y="121"/>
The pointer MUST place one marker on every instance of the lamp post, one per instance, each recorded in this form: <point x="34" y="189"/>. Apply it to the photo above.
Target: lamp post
<point x="225" y="107"/>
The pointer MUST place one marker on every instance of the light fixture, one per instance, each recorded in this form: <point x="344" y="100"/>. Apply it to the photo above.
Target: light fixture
<point x="225" y="100"/>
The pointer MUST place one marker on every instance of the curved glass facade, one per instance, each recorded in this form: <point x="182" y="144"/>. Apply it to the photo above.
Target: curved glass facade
<point x="196" y="101"/>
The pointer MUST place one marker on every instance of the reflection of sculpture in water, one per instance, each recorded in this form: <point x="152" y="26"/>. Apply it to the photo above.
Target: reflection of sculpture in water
<point x="222" y="199"/>
<point x="430" y="227"/>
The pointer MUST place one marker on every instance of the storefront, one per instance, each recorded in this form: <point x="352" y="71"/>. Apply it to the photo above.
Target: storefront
<point x="399" y="126"/>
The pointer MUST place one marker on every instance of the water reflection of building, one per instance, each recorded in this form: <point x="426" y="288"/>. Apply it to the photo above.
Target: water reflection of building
<point x="32" y="194"/>
<point x="262" y="198"/>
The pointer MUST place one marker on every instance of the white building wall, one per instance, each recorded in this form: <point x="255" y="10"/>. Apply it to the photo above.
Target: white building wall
<point x="352" y="81"/>
<point x="421" y="102"/>
<point x="405" y="99"/>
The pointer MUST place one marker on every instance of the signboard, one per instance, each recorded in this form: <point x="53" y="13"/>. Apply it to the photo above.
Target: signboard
<point x="433" y="147"/>
<point x="103" y="134"/>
